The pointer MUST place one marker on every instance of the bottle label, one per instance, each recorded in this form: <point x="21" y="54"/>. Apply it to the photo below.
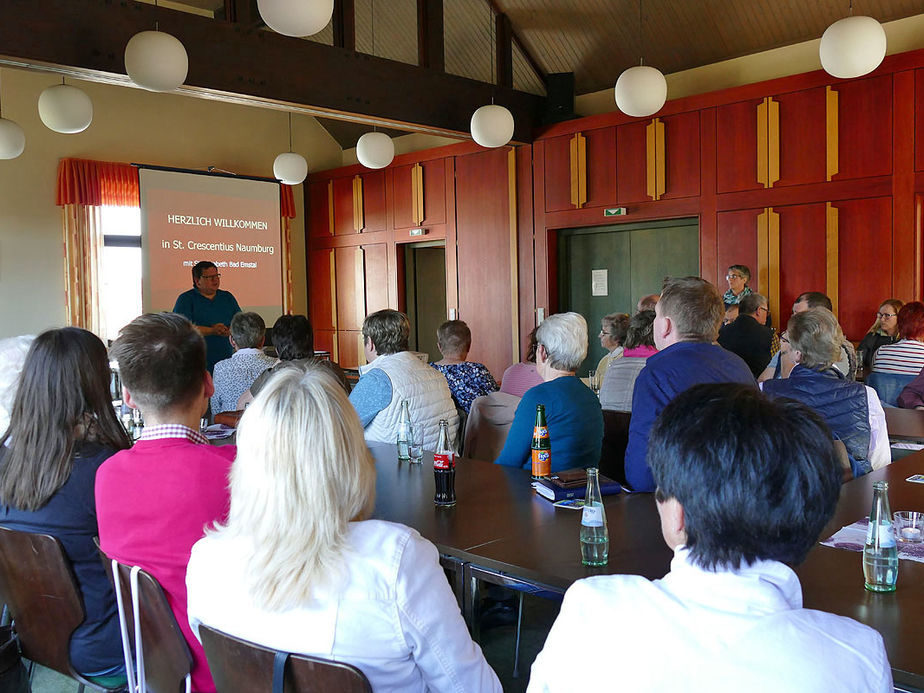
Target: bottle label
<point x="541" y="432"/>
<point x="592" y="516"/>
<point x="542" y="462"/>
<point x="443" y="461"/>
<point x="886" y="535"/>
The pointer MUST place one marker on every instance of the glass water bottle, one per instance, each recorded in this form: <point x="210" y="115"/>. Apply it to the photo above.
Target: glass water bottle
<point x="404" y="434"/>
<point x="595" y="540"/>
<point x="880" y="554"/>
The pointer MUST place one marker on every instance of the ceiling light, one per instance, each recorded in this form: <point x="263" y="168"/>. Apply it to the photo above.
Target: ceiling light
<point x="492" y="126"/>
<point x="12" y="139"/>
<point x="641" y="91"/>
<point x="852" y="47"/>
<point x="375" y="150"/>
<point x="296" y="17"/>
<point x="65" y="109"/>
<point x="290" y="168"/>
<point x="156" y="61"/>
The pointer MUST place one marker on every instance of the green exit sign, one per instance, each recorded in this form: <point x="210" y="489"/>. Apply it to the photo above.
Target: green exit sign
<point x="614" y="212"/>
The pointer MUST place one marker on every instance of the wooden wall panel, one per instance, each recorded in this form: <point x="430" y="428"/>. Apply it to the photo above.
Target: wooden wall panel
<point x="865" y="137"/>
<point x="351" y="309"/>
<point x="802" y="254"/>
<point x="342" y="194"/>
<point x="401" y="200"/>
<point x="802" y="137"/>
<point x="434" y="182"/>
<point x="350" y="348"/>
<point x="736" y="234"/>
<point x="682" y="155"/>
<point x="736" y="147"/>
<point x="374" y="201"/>
<point x="375" y="261"/>
<point x="557" y="156"/>
<point x="631" y="153"/>
<point x="919" y="119"/>
<point x="601" y="167"/>
<point x="318" y="209"/>
<point x="483" y="256"/>
<point x="865" y="261"/>
<point x="324" y="340"/>
<point x="320" y="292"/>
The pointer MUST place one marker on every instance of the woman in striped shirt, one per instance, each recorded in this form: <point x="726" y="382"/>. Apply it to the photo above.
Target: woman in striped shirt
<point x="905" y="357"/>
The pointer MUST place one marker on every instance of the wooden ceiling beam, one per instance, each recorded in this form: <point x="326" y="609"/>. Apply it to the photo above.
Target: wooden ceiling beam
<point x="344" y="21"/>
<point x="503" y="48"/>
<point x="430" y="48"/>
<point x="87" y="38"/>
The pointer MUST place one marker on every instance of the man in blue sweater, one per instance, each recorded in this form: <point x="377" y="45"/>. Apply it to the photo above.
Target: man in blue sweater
<point x="686" y="325"/>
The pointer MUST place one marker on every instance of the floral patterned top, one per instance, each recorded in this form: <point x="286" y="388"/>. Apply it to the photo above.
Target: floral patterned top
<point x="467" y="380"/>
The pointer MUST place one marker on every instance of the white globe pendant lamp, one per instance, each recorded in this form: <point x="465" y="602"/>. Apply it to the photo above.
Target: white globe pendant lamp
<point x="290" y="168"/>
<point x="852" y="47"/>
<point x="375" y="150"/>
<point x="12" y="139"/>
<point x="641" y="91"/>
<point x="492" y="126"/>
<point x="296" y="17"/>
<point x="65" y="109"/>
<point x="156" y="61"/>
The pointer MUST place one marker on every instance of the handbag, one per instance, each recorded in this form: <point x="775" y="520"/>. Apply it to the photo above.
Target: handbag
<point x="13" y="676"/>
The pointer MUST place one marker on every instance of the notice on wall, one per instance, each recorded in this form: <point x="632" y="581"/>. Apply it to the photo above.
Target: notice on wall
<point x="599" y="285"/>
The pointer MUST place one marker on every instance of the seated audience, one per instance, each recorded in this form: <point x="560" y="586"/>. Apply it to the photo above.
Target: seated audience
<point x="395" y="375"/>
<point x="154" y="501"/>
<point x="731" y="314"/>
<point x="572" y="410"/>
<point x="519" y="377"/>
<point x="728" y="616"/>
<point x="685" y="329"/>
<point x="466" y="379"/>
<point x="738" y="277"/>
<point x="13" y="352"/>
<point x="647" y="302"/>
<point x="234" y="376"/>
<point x="299" y="567"/>
<point x="61" y="430"/>
<point x="747" y="336"/>
<point x="293" y="338"/>
<point x="906" y="356"/>
<point x="612" y="335"/>
<point x="884" y="331"/>
<point x="619" y="382"/>
<point x="852" y="410"/>
<point x="846" y="363"/>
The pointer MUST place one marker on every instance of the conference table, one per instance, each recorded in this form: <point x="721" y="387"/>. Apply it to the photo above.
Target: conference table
<point x="500" y="530"/>
<point x="905" y="425"/>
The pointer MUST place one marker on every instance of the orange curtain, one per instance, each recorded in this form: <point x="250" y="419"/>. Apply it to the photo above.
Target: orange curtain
<point x="286" y="201"/>
<point x="97" y="183"/>
<point x="83" y="247"/>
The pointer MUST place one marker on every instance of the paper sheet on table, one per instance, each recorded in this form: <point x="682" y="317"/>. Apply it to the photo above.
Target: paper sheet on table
<point x="219" y="431"/>
<point x="852" y="537"/>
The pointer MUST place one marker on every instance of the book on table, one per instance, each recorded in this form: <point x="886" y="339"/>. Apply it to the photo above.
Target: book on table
<point x="572" y="483"/>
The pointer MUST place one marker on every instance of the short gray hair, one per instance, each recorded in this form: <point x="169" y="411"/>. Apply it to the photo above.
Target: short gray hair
<point x="816" y="334"/>
<point x="247" y="330"/>
<point x="564" y="336"/>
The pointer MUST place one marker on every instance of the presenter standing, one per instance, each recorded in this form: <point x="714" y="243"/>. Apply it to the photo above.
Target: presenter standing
<point x="210" y="309"/>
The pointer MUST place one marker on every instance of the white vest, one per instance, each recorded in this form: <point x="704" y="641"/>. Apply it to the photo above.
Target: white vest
<point x="428" y="398"/>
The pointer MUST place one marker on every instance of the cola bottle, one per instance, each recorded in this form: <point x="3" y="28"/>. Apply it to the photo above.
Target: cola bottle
<point x="444" y="469"/>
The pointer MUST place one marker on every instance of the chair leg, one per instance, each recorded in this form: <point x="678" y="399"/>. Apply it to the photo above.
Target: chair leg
<point x="516" y="649"/>
<point x="81" y="688"/>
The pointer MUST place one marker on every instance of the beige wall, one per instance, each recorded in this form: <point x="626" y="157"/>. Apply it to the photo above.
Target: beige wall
<point x="412" y="142"/>
<point x="129" y="125"/>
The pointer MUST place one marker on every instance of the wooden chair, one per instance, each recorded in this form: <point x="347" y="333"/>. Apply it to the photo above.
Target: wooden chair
<point x="615" y="439"/>
<point x="162" y="660"/>
<point x="888" y="386"/>
<point x="239" y="666"/>
<point x="38" y="585"/>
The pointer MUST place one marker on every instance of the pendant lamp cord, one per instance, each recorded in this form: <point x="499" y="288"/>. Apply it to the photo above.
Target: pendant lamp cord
<point x="492" y="48"/>
<point x="641" y="38"/>
<point x="290" y="131"/>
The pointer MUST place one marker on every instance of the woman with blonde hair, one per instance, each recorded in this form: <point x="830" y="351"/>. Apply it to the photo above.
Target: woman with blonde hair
<point x="883" y="331"/>
<point x="298" y="567"/>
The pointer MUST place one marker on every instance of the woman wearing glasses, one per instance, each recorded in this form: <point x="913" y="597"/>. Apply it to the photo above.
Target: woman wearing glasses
<point x="884" y="331"/>
<point x="737" y="277"/>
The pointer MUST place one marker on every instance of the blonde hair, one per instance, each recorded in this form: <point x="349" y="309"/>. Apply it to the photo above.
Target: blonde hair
<point x="301" y="474"/>
<point x="895" y="305"/>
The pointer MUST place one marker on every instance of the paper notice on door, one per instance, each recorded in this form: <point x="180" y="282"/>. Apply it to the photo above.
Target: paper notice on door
<point x="598" y="282"/>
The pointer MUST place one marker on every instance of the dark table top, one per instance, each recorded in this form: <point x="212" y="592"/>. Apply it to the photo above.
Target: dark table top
<point x="905" y="424"/>
<point x="499" y="523"/>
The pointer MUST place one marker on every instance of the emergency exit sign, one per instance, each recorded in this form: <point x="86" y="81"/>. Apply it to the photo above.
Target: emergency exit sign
<point x="614" y="212"/>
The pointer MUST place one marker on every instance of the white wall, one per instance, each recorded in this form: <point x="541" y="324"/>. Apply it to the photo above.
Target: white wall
<point x="135" y="126"/>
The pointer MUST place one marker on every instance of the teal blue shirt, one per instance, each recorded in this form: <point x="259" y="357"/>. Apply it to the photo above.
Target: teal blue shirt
<point x="205" y="312"/>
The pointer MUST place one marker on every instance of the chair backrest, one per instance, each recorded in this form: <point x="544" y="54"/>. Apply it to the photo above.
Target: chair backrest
<point x="888" y="386"/>
<point x="167" y="661"/>
<point x="488" y="423"/>
<point x="239" y="666"/>
<point x="37" y="583"/>
<point x="615" y="439"/>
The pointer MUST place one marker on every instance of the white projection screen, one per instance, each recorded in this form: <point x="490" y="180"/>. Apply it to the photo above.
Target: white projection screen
<point x="233" y="222"/>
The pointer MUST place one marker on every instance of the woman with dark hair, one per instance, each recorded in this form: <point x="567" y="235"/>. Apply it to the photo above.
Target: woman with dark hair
<point x="884" y="331"/>
<point x="619" y="381"/>
<point x="466" y="379"/>
<point x="906" y="356"/>
<point x="62" y="428"/>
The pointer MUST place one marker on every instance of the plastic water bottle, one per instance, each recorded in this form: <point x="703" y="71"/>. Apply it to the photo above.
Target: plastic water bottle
<point x="404" y="434"/>
<point x="880" y="554"/>
<point x="595" y="540"/>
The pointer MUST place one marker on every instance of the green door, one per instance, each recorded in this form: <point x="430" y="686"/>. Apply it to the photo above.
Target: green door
<point x="606" y="269"/>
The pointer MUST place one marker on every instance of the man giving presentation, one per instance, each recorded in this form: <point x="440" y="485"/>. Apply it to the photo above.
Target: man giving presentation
<point x="210" y="309"/>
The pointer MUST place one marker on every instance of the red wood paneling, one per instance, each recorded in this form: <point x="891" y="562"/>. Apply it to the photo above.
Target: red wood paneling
<point x="324" y="341"/>
<point x="736" y="147"/>
<point x="682" y="155"/>
<point x="736" y="235"/>
<point x="320" y="305"/>
<point x="803" y="147"/>
<point x="919" y="120"/>
<point x="402" y="198"/>
<point x="342" y="191"/>
<point x="864" y="261"/>
<point x="375" y="261"/>
<point x="318" y="209"/>
<point x="631" y="163"/>
<point x="601" y="167"/>
<point x="865" y="125"/>
<point x="483" y="256"/>
<point x="557" y="156"/>
<point x="350" y="343"/>
<point x="802" y="254"/>
<point x="434" y="180"/>
<point x="374" y="201"/>
<point x="351" y="307"/>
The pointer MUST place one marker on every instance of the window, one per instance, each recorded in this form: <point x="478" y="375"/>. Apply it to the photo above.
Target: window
<point x="120" y="276"/>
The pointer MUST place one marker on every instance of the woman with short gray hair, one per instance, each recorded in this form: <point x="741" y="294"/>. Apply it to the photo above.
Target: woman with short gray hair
<point x="572" y="411"/>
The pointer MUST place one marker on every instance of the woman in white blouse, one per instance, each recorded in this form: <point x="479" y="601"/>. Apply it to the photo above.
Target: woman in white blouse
<point x="298" y="568"/>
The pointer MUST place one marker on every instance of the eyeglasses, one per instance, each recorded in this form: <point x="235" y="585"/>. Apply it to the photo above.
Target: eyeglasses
<point x="882" y="316"/>
<point x="732" y="275"/>
<point x="764" y="308"/>
<point x="784" y="338"/>
<point x="210" y="276"/>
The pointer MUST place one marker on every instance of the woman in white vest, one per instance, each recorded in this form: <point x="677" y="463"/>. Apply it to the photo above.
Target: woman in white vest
<point x="395" y="375"/>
